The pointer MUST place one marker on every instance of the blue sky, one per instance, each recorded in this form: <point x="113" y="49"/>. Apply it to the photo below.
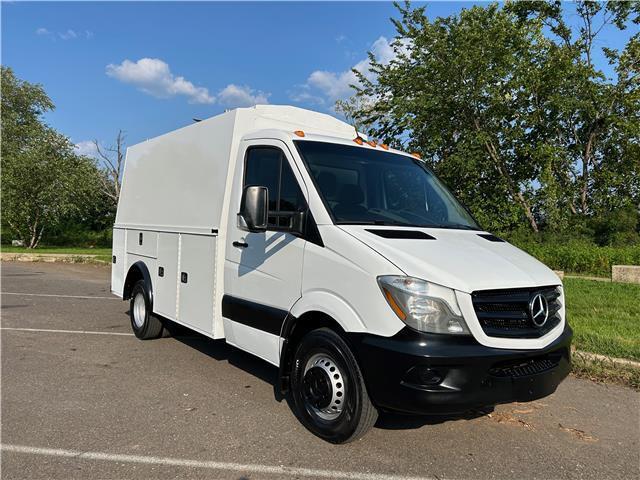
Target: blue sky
<point x="148" y="68"/>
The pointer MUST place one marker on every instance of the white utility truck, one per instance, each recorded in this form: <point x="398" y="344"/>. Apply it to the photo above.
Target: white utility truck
<point x="343" y="262"/>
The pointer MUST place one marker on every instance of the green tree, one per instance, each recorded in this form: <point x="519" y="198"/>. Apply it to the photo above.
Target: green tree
<point x="508" y="108"/>
<point x="43" y="181"/>
<point x="459" y="92"/>
<point x="597" y="117"/>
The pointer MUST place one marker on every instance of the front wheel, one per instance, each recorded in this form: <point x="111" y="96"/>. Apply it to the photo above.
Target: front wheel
<point x="328" y="390"/>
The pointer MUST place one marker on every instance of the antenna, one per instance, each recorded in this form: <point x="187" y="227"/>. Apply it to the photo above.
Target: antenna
<point x="197" y="120"/>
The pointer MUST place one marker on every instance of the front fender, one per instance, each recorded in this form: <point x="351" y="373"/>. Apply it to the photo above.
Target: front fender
<point x="330" y="304"/>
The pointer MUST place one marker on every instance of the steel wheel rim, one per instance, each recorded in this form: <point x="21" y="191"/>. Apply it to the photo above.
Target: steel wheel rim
<point x="329" y="367"/>
<point x="139" y="310"/>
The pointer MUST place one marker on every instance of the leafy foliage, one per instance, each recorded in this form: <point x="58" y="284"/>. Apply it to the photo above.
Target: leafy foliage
<point x="581" y="256"/>
<point x="506" y="105"/>
<point x="44" y="183"/>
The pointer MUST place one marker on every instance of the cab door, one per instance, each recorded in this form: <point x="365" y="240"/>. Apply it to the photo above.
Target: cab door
<point x="263" y="270"/>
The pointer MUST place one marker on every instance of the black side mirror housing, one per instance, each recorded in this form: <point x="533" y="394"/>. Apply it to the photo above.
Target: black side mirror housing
<point x="253" y="209"/>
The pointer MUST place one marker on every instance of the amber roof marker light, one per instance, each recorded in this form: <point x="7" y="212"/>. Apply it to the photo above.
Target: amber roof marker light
<point x="358" y="140"/>
<point x="417" y="155"/>
<point x="384" y="146"/>
<point x="372" y="143"/>
<point x="299" y="133"/>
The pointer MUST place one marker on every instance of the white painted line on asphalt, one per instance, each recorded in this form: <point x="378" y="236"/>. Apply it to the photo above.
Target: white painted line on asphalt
<point x="61" y="296"/>
<point x="211" y="465"/>
<point x="45" y="330"/>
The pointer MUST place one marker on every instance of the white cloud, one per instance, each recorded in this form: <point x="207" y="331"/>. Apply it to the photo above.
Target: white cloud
<point x="86" y="148"/>
<point x="153" y="76"/>
<point x="336" y="85"/>
<point x="302" y="95"/>
<point x="68" y="35"/>
<point x="241" y="96"/>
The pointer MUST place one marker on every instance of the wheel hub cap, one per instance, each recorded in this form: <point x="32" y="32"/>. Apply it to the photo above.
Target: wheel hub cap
<point x="139" y="310"/>
<point x="323" y="387"/>
<point x="317" y="388"/>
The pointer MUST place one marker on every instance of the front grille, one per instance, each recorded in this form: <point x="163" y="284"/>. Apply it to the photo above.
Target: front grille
<point x="505" y="313"/>
<point x="525" y="368"/>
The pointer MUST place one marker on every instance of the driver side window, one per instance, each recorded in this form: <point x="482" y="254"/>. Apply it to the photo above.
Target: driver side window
<point x="268" y="167"/>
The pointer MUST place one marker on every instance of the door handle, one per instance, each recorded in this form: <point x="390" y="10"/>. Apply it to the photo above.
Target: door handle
<point x="240" y="244"/>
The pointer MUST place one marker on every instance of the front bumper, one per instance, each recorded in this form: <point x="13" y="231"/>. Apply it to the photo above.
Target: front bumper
<point x="422" y="373"/>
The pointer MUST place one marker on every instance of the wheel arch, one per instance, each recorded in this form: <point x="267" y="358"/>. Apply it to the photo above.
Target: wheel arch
<point x="293" y="329"/>
<point x="137" y="271"/>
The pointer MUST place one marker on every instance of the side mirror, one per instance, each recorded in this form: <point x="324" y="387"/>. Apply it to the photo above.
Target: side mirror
<point x="253" y="209"/>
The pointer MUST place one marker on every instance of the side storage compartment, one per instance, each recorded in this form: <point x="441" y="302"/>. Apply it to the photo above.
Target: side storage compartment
<point x="196" y="281"/>
<point x="142" y="242"/>
<point x="118" y="261"/>
<point x="166" y="276"/>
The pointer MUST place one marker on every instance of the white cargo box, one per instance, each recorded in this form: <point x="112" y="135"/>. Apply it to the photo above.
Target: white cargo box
<point x="176" y="182"/>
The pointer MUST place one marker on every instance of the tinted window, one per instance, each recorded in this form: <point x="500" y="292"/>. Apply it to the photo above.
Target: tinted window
<point x="268" y="167"/>
<point x="263" y="169"/>
<point x="371" y="186"/>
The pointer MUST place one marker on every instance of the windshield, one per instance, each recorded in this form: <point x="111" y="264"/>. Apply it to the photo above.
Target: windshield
<point x="374" y="187"/>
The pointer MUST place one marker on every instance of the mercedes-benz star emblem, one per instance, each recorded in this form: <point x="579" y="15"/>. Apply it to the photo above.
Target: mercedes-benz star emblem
<point x="539" y="310"/>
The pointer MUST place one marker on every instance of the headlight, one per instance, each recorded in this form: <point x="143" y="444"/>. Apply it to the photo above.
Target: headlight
<point x="422" y="305"/>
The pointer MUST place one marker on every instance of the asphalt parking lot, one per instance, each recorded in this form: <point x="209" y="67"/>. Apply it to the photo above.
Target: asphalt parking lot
<point x="83" y="398"/>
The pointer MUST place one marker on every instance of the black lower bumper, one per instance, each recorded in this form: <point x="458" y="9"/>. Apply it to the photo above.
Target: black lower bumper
<point x="423" y="373"/>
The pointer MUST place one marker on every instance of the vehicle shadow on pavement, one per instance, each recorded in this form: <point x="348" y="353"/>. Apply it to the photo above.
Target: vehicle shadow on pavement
<point x="400" y="421"/>
<point x="221" y="351"/>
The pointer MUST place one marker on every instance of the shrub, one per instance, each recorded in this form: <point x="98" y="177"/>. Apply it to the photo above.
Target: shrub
<point x="76" y="236"/>
<point x="580" y="256"/>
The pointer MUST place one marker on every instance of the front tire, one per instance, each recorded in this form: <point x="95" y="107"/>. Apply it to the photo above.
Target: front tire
<point x="144" y="324"/>
<point x="328" y="389"/>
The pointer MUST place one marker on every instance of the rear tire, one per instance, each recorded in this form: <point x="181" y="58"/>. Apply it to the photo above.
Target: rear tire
<point x="144" y="324"/>
<point x="328" y="390"/>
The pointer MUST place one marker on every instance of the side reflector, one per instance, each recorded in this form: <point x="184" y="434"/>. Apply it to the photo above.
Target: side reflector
<point x="299" y="133"/>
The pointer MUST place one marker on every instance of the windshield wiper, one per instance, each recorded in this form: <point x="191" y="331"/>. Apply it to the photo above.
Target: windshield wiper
<point x="456" y="226"/>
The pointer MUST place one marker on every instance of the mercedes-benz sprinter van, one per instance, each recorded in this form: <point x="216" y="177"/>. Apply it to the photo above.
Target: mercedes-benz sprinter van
<point x="343" y="262"/>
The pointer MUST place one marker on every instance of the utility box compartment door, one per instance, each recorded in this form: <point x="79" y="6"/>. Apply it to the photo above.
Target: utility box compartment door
<point x="118" y="261"/>
<point x="196" y="281"/>
<point x="142" y="242"/>
<point x="166" y="276"/>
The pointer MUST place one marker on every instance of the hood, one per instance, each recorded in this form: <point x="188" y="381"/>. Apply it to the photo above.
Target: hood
<point x="458" y="259"/>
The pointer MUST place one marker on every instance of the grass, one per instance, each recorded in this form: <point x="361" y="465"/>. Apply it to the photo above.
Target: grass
<point x="103" y="254"/>
<point x="605" y="317"/>
<point x="604" y="370"/>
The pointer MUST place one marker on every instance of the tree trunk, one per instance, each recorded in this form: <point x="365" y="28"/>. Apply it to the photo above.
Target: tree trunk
<point x="585" y="172"/>
<point x="513" y="188"/>
<point x="35" y="234"/>
<point x="33" y="240"/>
<point x="514" y="191"/>
<point x="39" y="237"/>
